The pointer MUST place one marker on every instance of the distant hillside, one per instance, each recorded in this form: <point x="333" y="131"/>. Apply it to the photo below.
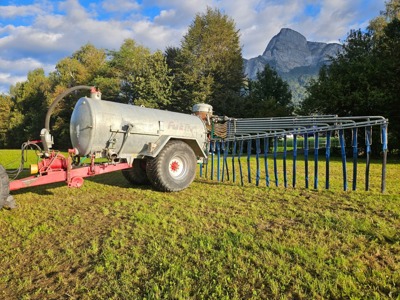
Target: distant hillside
<point x="294" y="58"/>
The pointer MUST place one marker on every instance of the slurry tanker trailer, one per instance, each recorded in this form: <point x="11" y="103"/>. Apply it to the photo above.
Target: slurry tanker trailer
<point x="148" y="145"/>
<point x="162" y="148"/>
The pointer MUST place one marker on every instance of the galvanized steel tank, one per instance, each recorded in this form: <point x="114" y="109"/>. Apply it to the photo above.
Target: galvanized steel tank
<point x="108" y="128"/>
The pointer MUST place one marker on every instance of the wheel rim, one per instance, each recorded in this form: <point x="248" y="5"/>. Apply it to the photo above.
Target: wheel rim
<point x="177" y="167"/>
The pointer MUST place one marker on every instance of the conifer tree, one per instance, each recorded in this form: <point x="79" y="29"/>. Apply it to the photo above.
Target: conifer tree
<point x="210" y="63"/>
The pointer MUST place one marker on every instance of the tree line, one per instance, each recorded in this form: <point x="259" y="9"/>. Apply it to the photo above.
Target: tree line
<point x="207" y="67"/>
<point x="364" y="79"/>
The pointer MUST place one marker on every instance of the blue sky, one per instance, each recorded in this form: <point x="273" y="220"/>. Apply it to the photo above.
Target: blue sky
<point x="38" y="33"/>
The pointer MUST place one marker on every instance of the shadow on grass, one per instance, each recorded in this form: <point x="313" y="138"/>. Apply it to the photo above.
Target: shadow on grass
<point x="40" y="190"/>
<point x="111" y="179"/>
<point x="116" y="179"/>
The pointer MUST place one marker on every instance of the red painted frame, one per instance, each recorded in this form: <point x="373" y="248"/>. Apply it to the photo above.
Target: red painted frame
<point x="72" y="176"/>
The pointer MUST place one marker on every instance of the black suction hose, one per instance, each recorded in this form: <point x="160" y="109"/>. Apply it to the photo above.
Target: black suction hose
<point x="59" y="98"/>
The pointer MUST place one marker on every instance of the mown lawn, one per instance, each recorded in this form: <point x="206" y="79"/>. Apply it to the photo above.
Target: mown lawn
<point x="109" y="240"/>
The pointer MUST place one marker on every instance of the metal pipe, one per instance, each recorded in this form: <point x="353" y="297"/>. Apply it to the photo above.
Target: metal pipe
<point x="268" y="127"/>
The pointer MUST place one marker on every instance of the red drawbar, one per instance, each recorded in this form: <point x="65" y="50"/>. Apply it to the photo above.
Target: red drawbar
<point x="57" y="168"/>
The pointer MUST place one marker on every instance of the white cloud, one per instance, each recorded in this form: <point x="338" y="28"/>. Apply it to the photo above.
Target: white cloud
<point x="184" y="11"/>
<point x="7" y="79"/>
<point x="74" y="11"/>
<point x="23" y="66"/>
<point x="335" y="19"/>
<point x="59" y="28"/>
<point x="120" y="5"/>
<point x="23" y="41"/>
<point x="259" y="21"/>
<point x="12" y="11"/>
<point x="166" y="17"/>
<point x="13" y="71"/>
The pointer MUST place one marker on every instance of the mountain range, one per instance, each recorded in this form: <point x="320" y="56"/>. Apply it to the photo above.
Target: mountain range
<point x="295" y="59"/>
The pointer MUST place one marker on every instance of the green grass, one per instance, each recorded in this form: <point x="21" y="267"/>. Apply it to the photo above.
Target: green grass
<point x="109" y="240"/>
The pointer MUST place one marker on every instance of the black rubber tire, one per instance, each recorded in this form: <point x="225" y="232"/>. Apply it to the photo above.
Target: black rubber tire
<point x="137" y="174"/>
<point x="4" y="186"/>
<point x="174" y="168"/>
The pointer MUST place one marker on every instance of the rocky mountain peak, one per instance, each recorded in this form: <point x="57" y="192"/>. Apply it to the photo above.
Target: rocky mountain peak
<point x="293" y="57"/>
<point x="289" y="50"/>
<point x="286" y="36"/>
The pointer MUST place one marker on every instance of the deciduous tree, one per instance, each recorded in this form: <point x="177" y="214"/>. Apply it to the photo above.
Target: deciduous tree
<point x="144" y="77"/>
<point x="5" y="117"/>
<point x="30" y="101"/>
<point x="363" y="80"/>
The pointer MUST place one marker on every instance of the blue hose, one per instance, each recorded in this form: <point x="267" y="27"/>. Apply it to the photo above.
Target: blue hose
<point x="275" y="160"/>
<point x="212" y="159"/>
<point x="343" y="152"/>
<point x="218" y="144"/>
<point x="294" y="160"/>
<point x="355" y="155"/>
<point x="258" y="151"/>
<point x="306" y="159"/>
<point x="266" y="146"/>
<point x="284" y="161"/>
<point x="248" y="160"/>
<point x="368" y="142"/>
<point x="233" y="161"/>
<point x="384" y="153"/>
<point x="327" y="158"/>
<point x="240" y="163"/>
<point x="225" y="147"/>
<point x="316" y="148"/>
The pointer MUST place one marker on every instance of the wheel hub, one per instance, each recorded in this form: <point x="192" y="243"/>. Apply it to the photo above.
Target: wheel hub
<point x="176" y="167"/>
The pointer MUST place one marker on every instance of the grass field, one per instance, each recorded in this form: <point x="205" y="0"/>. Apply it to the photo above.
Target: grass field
<point x="110" y="240"/>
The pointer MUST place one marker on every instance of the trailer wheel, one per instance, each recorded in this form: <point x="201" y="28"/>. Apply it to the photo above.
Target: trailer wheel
<point x="174" y="168"/>
<point x="137" y="174"/>
<point x="5" y="198"/>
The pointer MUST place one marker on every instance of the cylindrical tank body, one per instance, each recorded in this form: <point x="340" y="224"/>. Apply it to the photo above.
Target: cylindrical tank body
<point x="99" y="126"/>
